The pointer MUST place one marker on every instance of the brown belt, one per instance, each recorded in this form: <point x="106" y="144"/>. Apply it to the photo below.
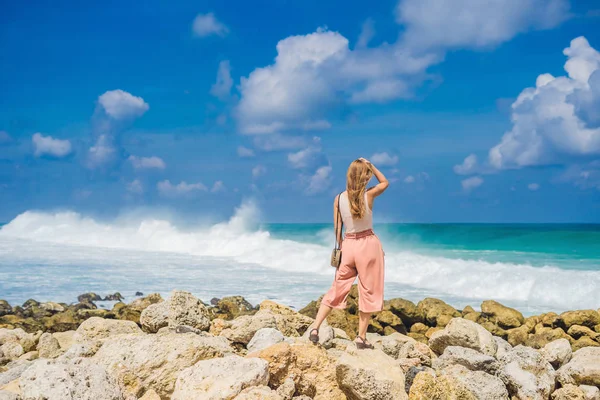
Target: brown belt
<point x="358" y="235"/>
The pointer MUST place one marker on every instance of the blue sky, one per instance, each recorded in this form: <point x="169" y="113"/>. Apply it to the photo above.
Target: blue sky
<point x="108" y="107"/>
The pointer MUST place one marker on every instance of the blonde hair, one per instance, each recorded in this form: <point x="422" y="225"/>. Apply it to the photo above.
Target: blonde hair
<point x="358" y="176"/>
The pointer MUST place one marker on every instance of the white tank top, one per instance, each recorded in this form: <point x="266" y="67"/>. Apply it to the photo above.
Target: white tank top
<point x="355" y="225"/>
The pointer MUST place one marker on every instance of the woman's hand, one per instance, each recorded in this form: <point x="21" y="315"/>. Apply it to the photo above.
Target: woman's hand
<point x="366" y="161"/>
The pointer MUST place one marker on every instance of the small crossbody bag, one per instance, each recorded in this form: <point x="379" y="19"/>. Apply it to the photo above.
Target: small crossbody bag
<point x="336" y="254"/>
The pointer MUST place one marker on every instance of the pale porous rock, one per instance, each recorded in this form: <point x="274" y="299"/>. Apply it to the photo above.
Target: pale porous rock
<point x="220" y="378"/>
<point x="185" y="309"/>
<point x="243" y="328"/>
<point x="150" y="395"/>
<point x="311" y="368"/>
<point x="468" y="358"/>
<point x="591" y="392"/>
<point x="289" y="322"/>
<point x="30" y="356"/>
<point x="582" y="369"/>
<point x="5" y="395"/>
<point x="504" y="317"/>
<point x="482" y="385"/>
<point x="15" y="369"/>
<point x="65" y="339"/>
<point x="11" y="350"/>
<point x="155" y="316"/>
<point x="568" y="392"/>
<point x="340" y="334"/>
<point x="287" y="389"/>
<point x="258" y="393"/>
<point x="390" y="344"/>
<point x="85" y="349"/>
<point x="26" y="340"/>
<point x="527" y="374"/>
<point x="464" y="333"/>
<point x="80" y="379"/>
<point x="264" y="338"/>
<point x="370" y="375"/>
<point x="217" y="326"/>
<point x="427" y="386"/>
<point x="96" y="328"/>
<point x="48" y="346"/>
<point x="503" y="346"/>
<point x="326" y="335"/>
<point x="417" y="350"/>
<point x="156" y="360"/>
<point x="557" y="352"/>
<point x="341" y="344"/>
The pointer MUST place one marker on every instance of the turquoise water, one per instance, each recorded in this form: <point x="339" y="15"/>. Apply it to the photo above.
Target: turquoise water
<point x="536" y="268"/>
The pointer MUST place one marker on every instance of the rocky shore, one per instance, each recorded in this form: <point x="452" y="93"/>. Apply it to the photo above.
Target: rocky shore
<point x="182" y="348"/>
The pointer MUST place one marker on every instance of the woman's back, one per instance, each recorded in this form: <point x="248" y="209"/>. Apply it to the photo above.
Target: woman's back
<point x="352" y="224"/>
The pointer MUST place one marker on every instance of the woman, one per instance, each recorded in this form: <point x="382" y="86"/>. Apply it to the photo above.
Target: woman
<point x="362" y="253"/>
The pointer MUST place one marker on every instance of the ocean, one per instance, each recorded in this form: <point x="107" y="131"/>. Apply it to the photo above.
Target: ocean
<point x="56" y="256"/>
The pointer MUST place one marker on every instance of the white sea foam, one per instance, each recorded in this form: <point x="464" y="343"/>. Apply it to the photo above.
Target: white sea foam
<point x="239" y="241"/>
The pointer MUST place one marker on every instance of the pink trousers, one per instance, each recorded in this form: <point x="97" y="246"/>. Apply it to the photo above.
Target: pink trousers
<point x="362" y="255"/>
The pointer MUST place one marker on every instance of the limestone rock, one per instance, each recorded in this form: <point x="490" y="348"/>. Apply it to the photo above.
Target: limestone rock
<point x="569" y="392"/>
<point x="390" y="344"/>
<point x="217" y="326"/>
<point x="468" y="358"/>
<point x="589" y="318"/>
<point x="311" y="368"/>
<point x="417" y="350"/>
<point x="11" y="350"/>
<point x="48" y="346"/>
<point x="527" y="374"/>
<point x="557" y="352"/>
<point x="156" y="360"/>
<point x="434" y="310"/>
<point x="15" y="370"/>
<point x="577" y="331"/>
<point x="545" y="335"/>
<point x="326" y="335"/>
<point x="503" y="316"/>
<point x="234" y="306"/>
<point x="389" y="319"/>
<point x="5" y="308"/>
<point x="481" y="385"/>
<point x="591" y="392"/>
<point x="99" y="328"/>
<point x="81" y="379"/>
<point x="65" y="339"/>
<point x="503" y="346"/>
<point x="150" y="395"/>
<point x="419" y="328"/>
<point x="264" y="338"/>
<point x="582" y="342"/>
<point x="5" y="395"/>
<point x="464" y="333"/>
<point x="289" y="322"/>
<point x="26" y="340"/>
<point x="259" y="393"/>
<point x="155" y="316"/>
<point x="517" y="336"/>
<point x="286" y="389"/>
<point x="220" y="378"/>
<point x="243" y="328"/>
<point x="185" y="309"/>
<point x="370" y="374"/>
<point x="428" y="386"/>
<point x="582" y="369"/>
<point x="408" y="312"/>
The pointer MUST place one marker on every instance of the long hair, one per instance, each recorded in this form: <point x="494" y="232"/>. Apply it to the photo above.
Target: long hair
<point x="358" y="176"/>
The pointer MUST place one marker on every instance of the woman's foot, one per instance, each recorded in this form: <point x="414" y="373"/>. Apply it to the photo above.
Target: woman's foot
<point x="314" y="335"/>
<point x="362" y="343"/>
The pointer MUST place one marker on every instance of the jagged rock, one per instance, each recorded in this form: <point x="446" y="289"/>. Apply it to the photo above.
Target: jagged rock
<point x="388" y="318"/>
<point x="258" y="393"/>
<point x="61" y="322"/>
<point x="390" y="344"/>
<point x="65" y="339"/>
<point x="156" y="360"/>
<point x="98" y="328"/>
<point x="503" y="346"/>
<point x="5" y="395"/>
<point x="419" y="328"/>
<point x="133" y="311"/>
<point x="217" y="326"/>
<point x="545" y="335"/>
<point x="550" y="319"/>
<point x="408" y="312"/>
<point x="482" y="385"/>
<point x="114" y="297"/>
<point x="264" y="338"/>
<point x="518" y="335"/>
<point x="12" y="350"/>
<point x="417" y="350"/>
<point x="527" y="374"/>
<point x="185" y="309"/>
<point x="503" y="316"/>
<point x="48" y="346"/>
<point x="88" y="297"/>
<point x="234" y="306"/>
<point x="433" y="330"/>
<point x="582" y="369"/>
<point x="582" y="342"/>
<point x="591" y="392"/>
<point x="557" y="352"/>
<point x="150" y="395"/>
<point x="220" y="378"/>
<point x="344" y="321"/>
<point x="26" y="340"/>
<point x="80" y="379"/>
<point x="569" y="392"/>
<point x="427" y="386"/>
<point x="243" y="328"/>
<point x="589" y="318"/>
<point x="436" y="312"/>
<point x="577" y="331"/>
<point x="411" y="372"/>
<point x="468" y="358"/>
<point x="311" y="367"/>
<point x="286" y="389"/>
<point x="464" y="333"/>
<point x="155" y="316"/>
<point x="5" y="308"/>
<point x="15" y="370"/>
<point x="326" y="335"/>
<point x="288" y="321"/>
<point x="51" y="307"/>
<point x="370" y="375"/>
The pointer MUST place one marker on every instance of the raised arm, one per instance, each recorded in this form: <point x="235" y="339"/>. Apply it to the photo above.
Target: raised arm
<point x="381" y="186"/>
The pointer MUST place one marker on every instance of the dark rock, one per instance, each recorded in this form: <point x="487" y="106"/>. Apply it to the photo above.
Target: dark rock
<point x="88" y="297"/>
<point x="214" y="301"/>
<point x="139" y="293"/>
<point x="406" y="310"/>
<point x="114" y="297"/>
<point x="234" y="306"/>
<point x="62" y="322"/>
<point x="436" y="312"/>
<point x="5" y="308"/>
<point x="30" y="303"/>
<point x="311" y="309"/>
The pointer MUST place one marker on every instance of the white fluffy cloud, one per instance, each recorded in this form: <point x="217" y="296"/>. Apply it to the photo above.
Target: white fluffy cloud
<point x="309" y="157"/>
<point x="147" y="162"/>
<point x="468" y="166"/>
<point x="383" y="159"/>
<point x="222" y="87"/>
<point x="102" y="153"/>
<point x="471" y="183"/>
<point x="122" y="105"/>
<point x="135" y="187"/>
<point x="320" y="180"/>
<point x="316" y="74"/>
<point x="167" y="189"/>
<point x="245" y="152"/>
<point x="207" y="25"/>
<point x="48" y="146"/>
<point x="553" y="122"/>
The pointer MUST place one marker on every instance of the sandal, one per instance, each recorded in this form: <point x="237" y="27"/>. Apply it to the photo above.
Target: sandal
<point x="314" y="337"/>
<point x="364" y="344"/>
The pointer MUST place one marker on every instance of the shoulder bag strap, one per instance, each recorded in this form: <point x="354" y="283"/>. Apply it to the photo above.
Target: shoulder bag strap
<point x="339" y="223"/>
